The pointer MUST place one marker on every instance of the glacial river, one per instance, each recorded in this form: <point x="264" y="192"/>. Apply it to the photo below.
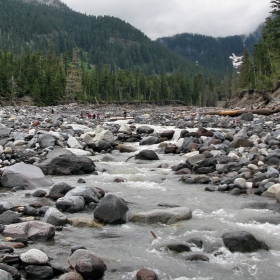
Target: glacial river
<point x="127" y="248"/>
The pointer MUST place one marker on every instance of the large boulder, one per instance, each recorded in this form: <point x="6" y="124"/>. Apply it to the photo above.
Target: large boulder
<point x="34" y="256"/>
<point x="5" y="131"/>
<point x="59" y="190"/>
<point x="88" y="194"/>
<point x="146" y="274"/>
<point x="71" y="204"/>
<point x="242" y="241"/>
<point x="46" y="140"/>
<point x="33" y="230"/>
<point x="90" y="267"/>
<point x="9" y="217"/>
<point x="111" y="210"/>
<point x="4" y="275"/>
<point x="144" y="129"/>
<point x="24" y="175"/>
<point x="165" y="216"/>
<point x="106" y="135"/>
<point x="147" y="155"/>
<point x="55" y="217"/>
<point x="66" y="164"/>
<point x="150" y="140"/>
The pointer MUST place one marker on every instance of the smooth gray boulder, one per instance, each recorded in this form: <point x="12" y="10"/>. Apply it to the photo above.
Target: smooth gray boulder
<point x="34" y="231"/>
<point x="165" y="216"/>
<point x="242" y="241"/>
<point x="46" y="140"/>
<point x="147" y="155"/>
<point x="59" y="190"/>
<point x="4" y="206"/>
<point x="55" y="217"/>
<point x="71" y="204"/>
<point x="24" y="175"/>
<point x="87" y="193"/>
<point x="4" y="275"/>
<point x="111" y="210"/>
<point x="34" y="256"/>
<point x="9" y="217"/>
<point x="67" y="164"/>
<point x="144" y="129"/>
<point x="149" y="140"/>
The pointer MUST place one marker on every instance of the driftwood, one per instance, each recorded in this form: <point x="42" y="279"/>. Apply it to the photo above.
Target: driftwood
<point x="153" y="234"/>
<point x="235" y="113"/>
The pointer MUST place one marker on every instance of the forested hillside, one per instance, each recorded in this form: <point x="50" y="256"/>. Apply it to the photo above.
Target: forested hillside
<point x="212" y="53"/>
<point x="102" y="40"/>
<point x="261" y="69"/>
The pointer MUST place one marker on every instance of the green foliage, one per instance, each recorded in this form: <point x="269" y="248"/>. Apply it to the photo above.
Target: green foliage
<point x="262" y="69"/>
<point x="50" y="80"/>
<point x="101" y="40"/>
<point x="212" y="53"/>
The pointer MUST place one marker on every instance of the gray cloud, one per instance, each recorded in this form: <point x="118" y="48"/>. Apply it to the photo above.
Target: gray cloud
<point x="159" y="18"/>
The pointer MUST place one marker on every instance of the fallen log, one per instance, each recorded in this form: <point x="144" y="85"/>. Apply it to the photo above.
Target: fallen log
<point x="236" y="113"/>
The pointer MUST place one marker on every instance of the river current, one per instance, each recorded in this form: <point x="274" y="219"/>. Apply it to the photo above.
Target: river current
<point x="127" y="248"/>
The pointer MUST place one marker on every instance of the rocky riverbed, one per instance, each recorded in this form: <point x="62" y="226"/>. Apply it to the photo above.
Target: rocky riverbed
<point x="230" y="156"/>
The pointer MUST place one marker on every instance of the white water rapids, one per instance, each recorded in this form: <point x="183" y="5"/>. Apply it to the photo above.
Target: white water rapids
<point x="127" y="248"/>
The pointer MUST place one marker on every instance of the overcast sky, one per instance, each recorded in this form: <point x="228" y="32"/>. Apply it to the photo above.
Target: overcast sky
<point x="159" y="18"/>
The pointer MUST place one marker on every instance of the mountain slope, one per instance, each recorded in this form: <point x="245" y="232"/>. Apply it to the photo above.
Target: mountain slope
<point x="102" y="39"/>
<point x="208" y="51"/>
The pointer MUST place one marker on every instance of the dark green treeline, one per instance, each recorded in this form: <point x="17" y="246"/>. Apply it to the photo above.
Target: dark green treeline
<point x="261" y="70"/>
<point x="51" y="80"/>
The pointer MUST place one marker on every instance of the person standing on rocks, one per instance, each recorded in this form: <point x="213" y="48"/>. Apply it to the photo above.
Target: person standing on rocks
<point x="124" y="114"/>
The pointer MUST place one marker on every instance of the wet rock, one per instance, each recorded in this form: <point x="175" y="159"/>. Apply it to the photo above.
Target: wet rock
<point x="103" y="145"/>
<point x="196" y="257"/>
<point x="55" y="217"/>
<point x="90" y="267"/>
<point x="33" y="230"/>
<point x="111" y="210"/>
<point x="4" y="275"/>
<point x="59" y="190"/>
<point x="242" y="241"/>
<point x="146" y="274"/>
<point x="34" y="256"/>
<point x="147" y="155"/>
<point x="26" y="176"/>
<point x="10" y="269"/>
<point x="178" y="247"/>
<point x="144" y="129"/>
<point x="9" y="217"/>
<point x="71" y="276"/>
<point x="4" y="206"/>
<point x="150" y="140"/>
<point x="196" y="241"/>
<point x="37" y="272"/>
<point x="39" y="193"/>
<point x="77" y="247"/>
<point x="126" y="149"/>
<point x="87" y="193"/>
<point x="67" y="165"/>
<point x="165" y="216"/>
<point x="71" y="204"/>
<point x="168" y="134"/>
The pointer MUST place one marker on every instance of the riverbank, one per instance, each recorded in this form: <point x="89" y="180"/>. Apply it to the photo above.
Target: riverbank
<point x="64" y="171"/>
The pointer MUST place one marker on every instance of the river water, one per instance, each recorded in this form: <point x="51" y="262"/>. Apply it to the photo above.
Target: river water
<point x="127" y="248"/>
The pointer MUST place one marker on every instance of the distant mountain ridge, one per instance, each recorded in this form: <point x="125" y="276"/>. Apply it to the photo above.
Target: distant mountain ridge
<point x="28" y="25"/>
<point x="211" y="52"/>
<point x="54" y="3"/>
